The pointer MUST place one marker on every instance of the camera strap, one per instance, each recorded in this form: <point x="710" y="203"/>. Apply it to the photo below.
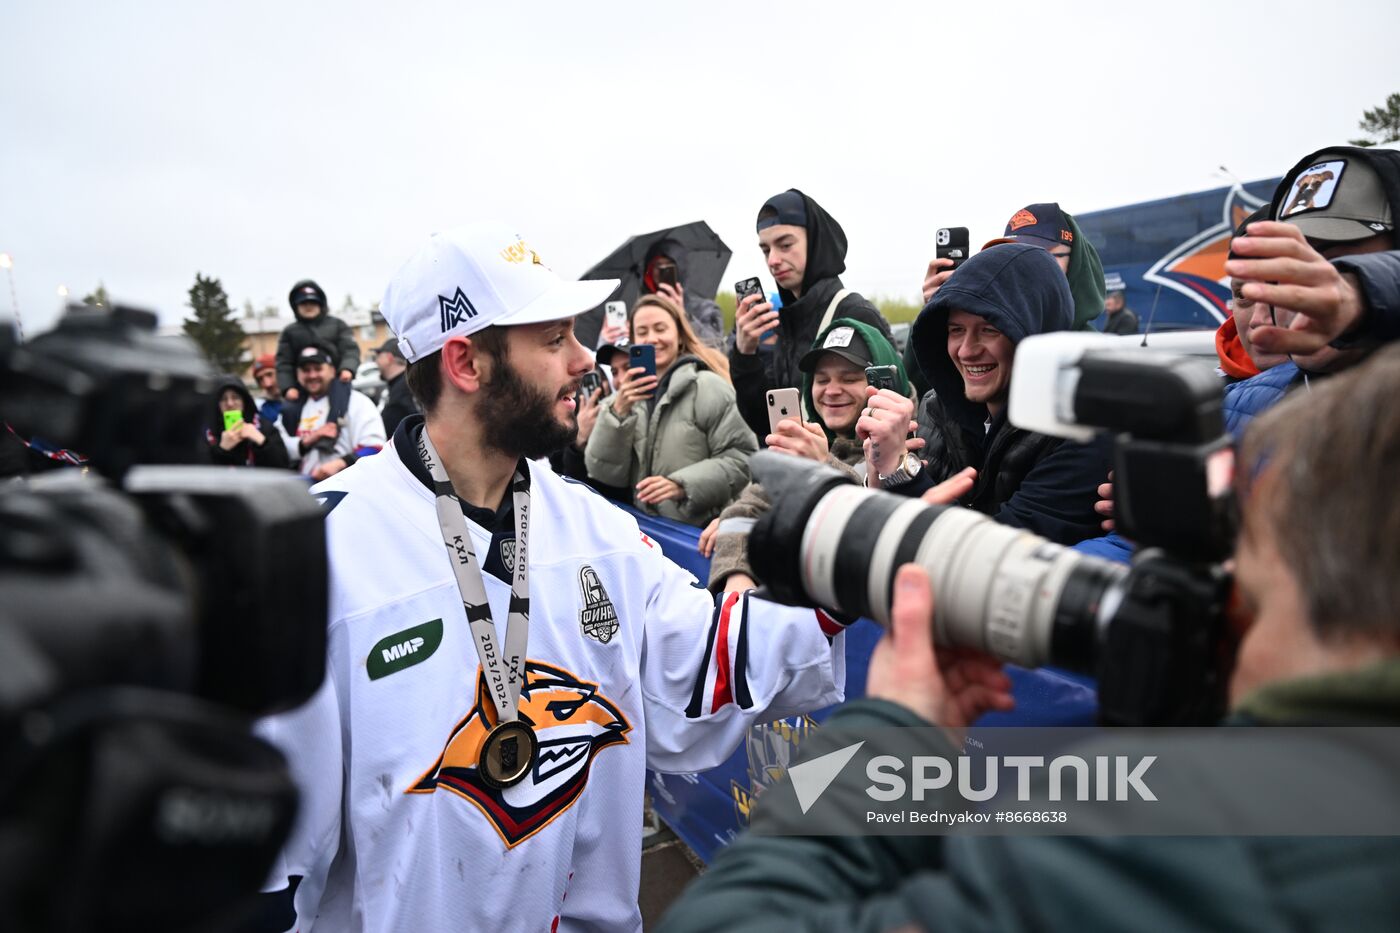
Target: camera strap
<point x="503" y="670"/>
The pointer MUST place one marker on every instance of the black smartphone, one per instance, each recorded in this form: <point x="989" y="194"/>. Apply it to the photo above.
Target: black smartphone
<point x="951" y="243"/>
<point x="747" y="287"/>
<point x="666" y="275"/>
<point x="643" y="355"/>
<point x="590" y="383"/>
<point x="882" y="377"/>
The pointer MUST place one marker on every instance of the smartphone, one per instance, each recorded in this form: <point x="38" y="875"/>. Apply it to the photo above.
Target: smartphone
<point x="615" y="312"/>
<point x="643" y="355"/>
<point x="951" y="243"/>
<point x="232" y="419"/>
<point x="666" y="275"/>
<point x="748" y="287"/>
<point x="783" y="404"/>
<point x="882" y="377"/>
<point x="590" y="383"/>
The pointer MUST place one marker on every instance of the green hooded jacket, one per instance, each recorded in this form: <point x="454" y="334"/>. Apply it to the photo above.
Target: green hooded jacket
<point x="881" y="350"/>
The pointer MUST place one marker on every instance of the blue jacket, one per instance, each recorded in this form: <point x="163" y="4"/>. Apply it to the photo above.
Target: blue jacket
<point x="1253" y="396"/>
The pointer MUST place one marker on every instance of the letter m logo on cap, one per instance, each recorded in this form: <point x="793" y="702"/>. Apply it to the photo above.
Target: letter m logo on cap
<point x="456" y="310"/>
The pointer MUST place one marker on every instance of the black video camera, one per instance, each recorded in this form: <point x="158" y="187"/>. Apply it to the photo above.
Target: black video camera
<point x="150" y="610"/>
<point x="1155" y="634"/>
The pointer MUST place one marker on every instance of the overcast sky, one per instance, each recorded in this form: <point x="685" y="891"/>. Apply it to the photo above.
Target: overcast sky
<point x="263" y="142"/>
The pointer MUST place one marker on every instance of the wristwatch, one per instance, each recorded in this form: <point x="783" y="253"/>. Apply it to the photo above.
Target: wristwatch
<point x="909" y="468"/>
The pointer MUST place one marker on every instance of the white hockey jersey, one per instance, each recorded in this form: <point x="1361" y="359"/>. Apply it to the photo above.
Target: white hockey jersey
<point x="631" y="664"/>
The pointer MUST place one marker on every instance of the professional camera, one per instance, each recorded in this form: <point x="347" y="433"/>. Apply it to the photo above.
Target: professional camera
<point x="149" y="611"/>
<point x="1154" y="635"/>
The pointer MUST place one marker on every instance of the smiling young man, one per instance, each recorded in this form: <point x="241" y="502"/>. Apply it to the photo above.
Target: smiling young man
<point x="965" y="343"/>
<point x="834" y="387"/>
<point x="805" y="249"/>
<point x="508" y="653"/>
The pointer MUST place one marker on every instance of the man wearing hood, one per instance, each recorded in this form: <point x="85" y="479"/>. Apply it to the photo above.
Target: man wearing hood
<point x="965" y="342"/>
<point x="1325" y="270"/>
<point x="806" y="252"/>
<point x="704" y="315"/>
<point x="314" y="324"/>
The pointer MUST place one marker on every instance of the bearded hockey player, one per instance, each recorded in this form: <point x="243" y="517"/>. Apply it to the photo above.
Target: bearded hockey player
<point x="508" y="654"/>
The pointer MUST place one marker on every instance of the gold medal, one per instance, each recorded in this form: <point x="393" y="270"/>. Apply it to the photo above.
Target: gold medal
<point x="507" y="754"/>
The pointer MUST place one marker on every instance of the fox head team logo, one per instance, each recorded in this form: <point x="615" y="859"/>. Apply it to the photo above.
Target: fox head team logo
<point x="1196" y="267"/>
<point x="573" y="723"/>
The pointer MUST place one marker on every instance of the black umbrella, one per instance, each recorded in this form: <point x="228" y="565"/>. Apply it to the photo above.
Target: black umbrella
<point x="702" y="268"/>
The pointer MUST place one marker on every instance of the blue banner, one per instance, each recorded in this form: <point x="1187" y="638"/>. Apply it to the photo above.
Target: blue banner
<point x="709" y="809"/>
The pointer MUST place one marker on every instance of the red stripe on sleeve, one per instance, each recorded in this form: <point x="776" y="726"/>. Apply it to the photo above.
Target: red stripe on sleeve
<point x="723" y="693"/>
<point x="830" y="627"/>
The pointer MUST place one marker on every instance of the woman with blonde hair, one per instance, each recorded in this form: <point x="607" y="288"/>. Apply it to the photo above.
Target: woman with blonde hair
<point x="675" y="438"/>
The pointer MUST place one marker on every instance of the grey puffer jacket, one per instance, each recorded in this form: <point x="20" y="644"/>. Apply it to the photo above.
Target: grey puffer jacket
<point x="691" y="433"/>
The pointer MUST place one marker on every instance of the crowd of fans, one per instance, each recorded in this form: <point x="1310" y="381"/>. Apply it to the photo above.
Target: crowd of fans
<point x="1315" y="291"/>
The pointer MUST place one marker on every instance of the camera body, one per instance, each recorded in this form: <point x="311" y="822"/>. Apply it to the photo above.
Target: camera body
<point x="1154" y="634"/>
<point x="133" y="793"/>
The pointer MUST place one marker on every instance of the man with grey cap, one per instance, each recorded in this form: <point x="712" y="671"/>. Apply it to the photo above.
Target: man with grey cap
<point x="507" y="653"/>
<point x="397" y="402"/>
<point x="1326" y="265"/>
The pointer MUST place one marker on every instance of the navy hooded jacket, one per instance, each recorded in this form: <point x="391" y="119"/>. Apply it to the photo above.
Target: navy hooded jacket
<point x="1044" y="484"/>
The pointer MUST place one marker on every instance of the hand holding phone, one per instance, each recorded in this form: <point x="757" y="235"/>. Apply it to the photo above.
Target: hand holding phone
<point x="232" y="420"/>
<point x="951" y="243"/>
<point x="641" y="379"/>
<point x="643" y="355"/>
<point x="950" y="251"/>
<point x="783" y="404"/>
<point x="753" y="322"/>
<point x="882" y="377"/>
<point x="665" y="275"/>
<point x="615" y="313"/>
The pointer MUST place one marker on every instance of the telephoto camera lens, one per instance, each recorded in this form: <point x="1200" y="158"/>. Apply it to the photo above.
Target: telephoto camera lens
<point x="827" y="542"/>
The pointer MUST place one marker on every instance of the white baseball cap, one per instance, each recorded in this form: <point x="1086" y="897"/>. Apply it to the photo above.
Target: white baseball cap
<point x="470" y="278"/>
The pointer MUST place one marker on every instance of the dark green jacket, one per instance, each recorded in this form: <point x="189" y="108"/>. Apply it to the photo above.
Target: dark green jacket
<point x="1074" y="883"/>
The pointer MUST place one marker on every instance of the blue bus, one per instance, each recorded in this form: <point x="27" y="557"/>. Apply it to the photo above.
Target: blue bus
<point x="1169" y="254"/>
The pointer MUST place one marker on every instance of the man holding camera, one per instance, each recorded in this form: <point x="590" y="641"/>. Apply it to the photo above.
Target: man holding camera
<point x="805" y="249"/>
<point x="1323" y="649"/>
<point x="965" y="344"/>
<point x="508" y="653"/>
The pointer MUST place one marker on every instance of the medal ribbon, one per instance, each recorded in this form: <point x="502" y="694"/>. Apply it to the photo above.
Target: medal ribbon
<point x="505" y="674"/>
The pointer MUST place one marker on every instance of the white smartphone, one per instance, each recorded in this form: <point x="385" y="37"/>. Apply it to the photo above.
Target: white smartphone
<point x="616" y="313"/>
<point x="783" y="404"/>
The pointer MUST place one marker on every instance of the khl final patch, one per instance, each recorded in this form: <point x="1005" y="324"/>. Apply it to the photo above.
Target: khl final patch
<point x="598" y="617"/>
